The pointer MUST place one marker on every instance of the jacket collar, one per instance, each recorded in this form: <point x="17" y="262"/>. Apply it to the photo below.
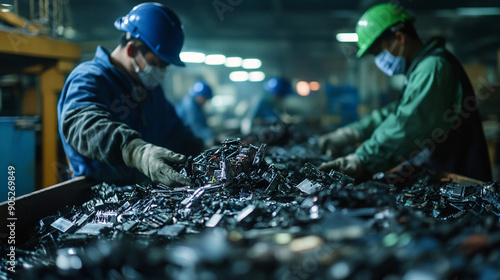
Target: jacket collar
<point x="102" y="57"/>
<point x="431" y="45"/>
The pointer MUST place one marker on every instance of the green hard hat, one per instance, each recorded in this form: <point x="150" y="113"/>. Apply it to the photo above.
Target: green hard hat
<point x="375" y="21"/>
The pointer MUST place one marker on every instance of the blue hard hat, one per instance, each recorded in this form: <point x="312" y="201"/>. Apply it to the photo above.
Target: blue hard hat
<point x="278" y="86"/>
<point x="200" y="88"/>
<point x="158" y="27"/>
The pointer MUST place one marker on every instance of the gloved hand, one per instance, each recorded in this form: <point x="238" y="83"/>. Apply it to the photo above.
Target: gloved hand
<point x="153" y="161"/>
<point x="334" y="142"/>
<point x="350" y="165"/>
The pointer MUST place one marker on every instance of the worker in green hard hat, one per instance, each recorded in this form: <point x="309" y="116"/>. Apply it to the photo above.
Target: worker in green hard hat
<point x="435" y="124"/>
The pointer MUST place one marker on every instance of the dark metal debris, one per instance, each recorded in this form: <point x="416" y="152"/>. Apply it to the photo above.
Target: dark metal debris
<point x="266" y="212"/>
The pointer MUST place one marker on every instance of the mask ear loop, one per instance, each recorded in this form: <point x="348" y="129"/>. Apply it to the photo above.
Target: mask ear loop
<point x="136" y="66"/>
<point x="149" y="66"/>
<point x="401" y="51"/>
<point x="393" y="45"/>
<point x="393" y="29"/>
<point x="142" y="58"/>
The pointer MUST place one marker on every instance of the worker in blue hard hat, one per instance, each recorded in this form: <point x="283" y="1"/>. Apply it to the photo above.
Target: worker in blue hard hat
<point x="435" y="124"/>
<point x="190" y="110"/>
<point x="114" y="120"/>
<point x="268" y="108"/>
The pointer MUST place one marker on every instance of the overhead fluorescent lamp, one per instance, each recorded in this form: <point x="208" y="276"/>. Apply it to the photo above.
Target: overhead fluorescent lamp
<point x="256" y="76"/>
<point x="238" y="76"/>
<point x="479" y="11"/>
<point x="233" y="61"/>
<point x="251" y="63"/>
<point x="347" y="37"/>
<point x="6" y="8"/>
<point x="446" y="13"/>
<point x="215" y="59"/>
<point x="192" y="57"/>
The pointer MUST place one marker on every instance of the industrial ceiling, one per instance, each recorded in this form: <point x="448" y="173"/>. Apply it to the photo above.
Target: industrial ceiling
<point x="277" y="31"/>
<point x="300" y="28"/>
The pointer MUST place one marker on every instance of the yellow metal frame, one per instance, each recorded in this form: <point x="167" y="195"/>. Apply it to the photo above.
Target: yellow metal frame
<point x="62" y="55"/>
<point x="38" y="46"/>
<point x="18" y="21"/>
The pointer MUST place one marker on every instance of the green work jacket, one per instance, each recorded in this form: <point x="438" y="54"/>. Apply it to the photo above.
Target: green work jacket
<point x="435" y="123"/>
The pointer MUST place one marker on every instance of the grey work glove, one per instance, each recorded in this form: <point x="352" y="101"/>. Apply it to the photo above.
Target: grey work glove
<point x="334" y="142"/>
<point x="153" y="162"/>
<point x="350" y="165"/>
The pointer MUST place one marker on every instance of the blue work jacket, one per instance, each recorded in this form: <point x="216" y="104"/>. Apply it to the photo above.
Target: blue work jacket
<point x="192" y="116"/>
<point x="101" y="108"/>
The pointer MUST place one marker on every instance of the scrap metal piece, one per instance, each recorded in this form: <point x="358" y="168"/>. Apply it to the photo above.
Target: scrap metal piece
<point x="93" y="228"/>
<point x="273" y="176"/>
<point x="62" y="224"/>
<point x="171" y="230"/>
<point x="188" y="201"/>
<point x="214" y="220"/>
<point x="308" y="187"/>
<point x="259" y="155"/>
<point x="245" y="212"/>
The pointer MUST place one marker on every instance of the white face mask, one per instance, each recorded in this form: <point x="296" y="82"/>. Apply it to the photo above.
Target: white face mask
<point x="152" y="76"/>
<point x="389" y="64"/>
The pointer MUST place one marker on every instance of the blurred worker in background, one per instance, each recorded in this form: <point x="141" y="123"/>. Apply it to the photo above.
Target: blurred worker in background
<point x="190" y="110"/>
<point x="434" y="124"/>
<point x="268" y="108"/>
<point x="114" y="120"/>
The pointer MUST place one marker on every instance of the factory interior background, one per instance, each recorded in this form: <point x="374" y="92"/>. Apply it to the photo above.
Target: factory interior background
<point x="300" y="40"/>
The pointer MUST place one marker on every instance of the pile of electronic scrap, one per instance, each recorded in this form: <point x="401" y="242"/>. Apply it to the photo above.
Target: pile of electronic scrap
<point x="259" y="212"/>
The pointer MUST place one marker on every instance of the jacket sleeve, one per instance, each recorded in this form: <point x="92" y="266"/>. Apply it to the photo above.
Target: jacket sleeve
<point x="87" y="124"/>
<point x="368" y="124"/>
<point x="92" y="133"/>
<point x="422" y="118"/>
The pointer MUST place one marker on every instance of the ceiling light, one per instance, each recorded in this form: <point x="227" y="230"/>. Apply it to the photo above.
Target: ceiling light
<point x="256" y="76"/>
<point x="192" y="57"/>
<point x="314" y="86"/>
<point x="347" y="37"/>
<point x="6" y="8"/>
<point x="303" y="88"/>
<point x="251" y="63"/>
<point x="215" y="59"/>
<point x="238" y="76"/>
<point x="478" y="11"/>
<point x="233" y="61"/>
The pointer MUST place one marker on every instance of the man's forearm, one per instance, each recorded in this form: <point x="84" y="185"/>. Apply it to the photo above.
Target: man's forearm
<point x="92" y="133"/>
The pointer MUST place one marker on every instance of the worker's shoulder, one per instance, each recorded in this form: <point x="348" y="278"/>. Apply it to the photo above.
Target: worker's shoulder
<point x="90" y="67"/>
<point x="434" y="62"/>
<point x="89" y="70"/>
